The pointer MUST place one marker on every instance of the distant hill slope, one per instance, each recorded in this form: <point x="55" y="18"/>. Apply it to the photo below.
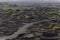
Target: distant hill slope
<point x="25" y="3"/>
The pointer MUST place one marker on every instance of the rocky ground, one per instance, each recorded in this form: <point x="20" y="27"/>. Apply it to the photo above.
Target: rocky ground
<point x="29" y="23"/>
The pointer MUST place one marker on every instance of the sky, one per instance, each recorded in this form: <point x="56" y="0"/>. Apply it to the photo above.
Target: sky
<point x="32" y="0"/>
